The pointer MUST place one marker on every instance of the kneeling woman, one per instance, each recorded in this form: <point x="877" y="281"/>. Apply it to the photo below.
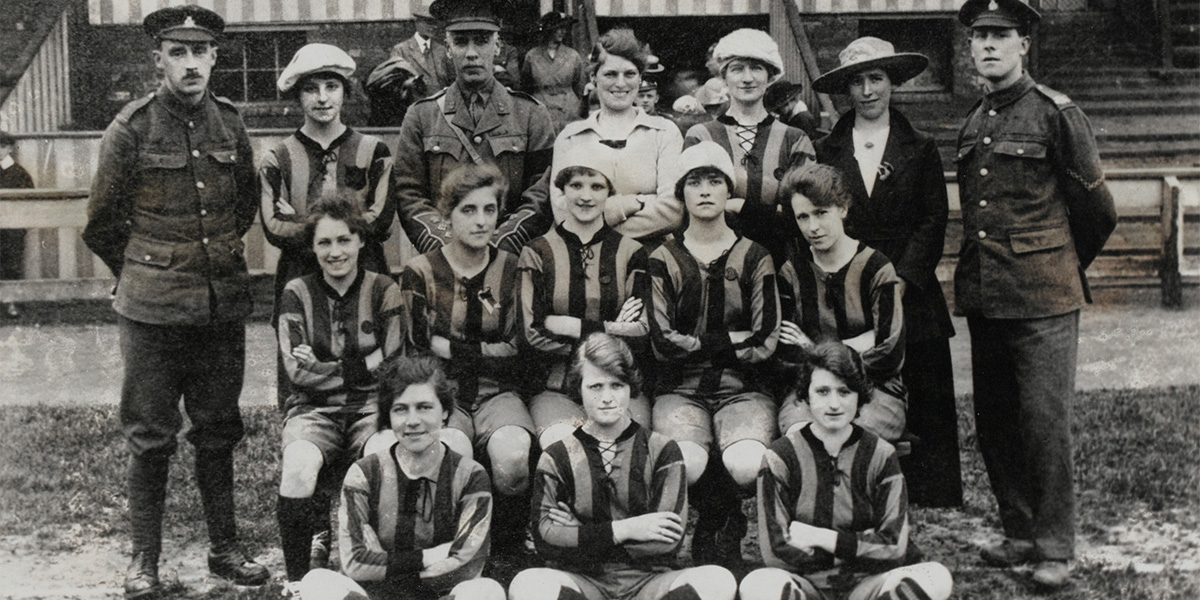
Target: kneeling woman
<point x="841" y="290"/>
<point x="460" y="300"/>
<point x="414" y="520"/>
<point x="610" y="501"/>
<point x="832" y="508"/>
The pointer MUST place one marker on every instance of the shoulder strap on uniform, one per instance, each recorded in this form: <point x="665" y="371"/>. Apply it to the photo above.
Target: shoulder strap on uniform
<point x="524" y="95"/>
<point x="135" y="105"/>
<point x="1060" y="99"/>
<point x="462" y="137"/>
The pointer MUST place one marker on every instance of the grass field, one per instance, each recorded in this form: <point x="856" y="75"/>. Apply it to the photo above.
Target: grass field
<point x="1137" y="455"/>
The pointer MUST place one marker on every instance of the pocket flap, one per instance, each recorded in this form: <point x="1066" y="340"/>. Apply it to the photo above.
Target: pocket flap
<point x="1021" y="148"/>
<point x="444" y="145"/>
<point x="225" y="157"/>
<point x="507" y="143"/>
<point x="1039" y="239"/>
<point x="174" y="160"/>
<point x="963" y="150"/>
<point x="149" y="252"/>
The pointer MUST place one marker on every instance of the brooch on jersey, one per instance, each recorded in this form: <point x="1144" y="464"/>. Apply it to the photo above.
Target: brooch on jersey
<point x="885" y="170"/>
<point x="488" y="301"/>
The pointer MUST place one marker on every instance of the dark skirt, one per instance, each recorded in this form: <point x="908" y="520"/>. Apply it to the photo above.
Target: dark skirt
<point x="933" y="471"/>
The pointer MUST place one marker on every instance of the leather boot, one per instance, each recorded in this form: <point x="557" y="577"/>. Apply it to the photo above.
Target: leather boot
<point x="147" y="495"/>
<point x="141" y="579"/>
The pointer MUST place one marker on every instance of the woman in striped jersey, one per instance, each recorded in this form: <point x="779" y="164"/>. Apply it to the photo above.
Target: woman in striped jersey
<point x="335" y="328"/>
<point x="842" y="291"/>
<point x="715" y="316"/>
<point x="321" y="157"/>
<point x="580" y="277"/>
<point x="832" y="505"/>
<point x="413" y="523"/>
<point x="762" y="147"/>
<point x="610" y="501"/>
<point x="461" y="300"/>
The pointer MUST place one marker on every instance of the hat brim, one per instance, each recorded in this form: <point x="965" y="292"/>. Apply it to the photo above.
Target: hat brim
<point x="473" y="25"/>
<point x="900" y="67"/>
<point x="783" y="97"/>
<point x="187" y="34"/>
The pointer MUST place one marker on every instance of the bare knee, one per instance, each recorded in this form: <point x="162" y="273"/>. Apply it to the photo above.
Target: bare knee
<point x="538" y="584"/>
<point x="711" y="582"/>
<point x="743" y="460"/>
<point x="508" y="449"/>
<point x="483" y="588"/>
<point x="695" y="460"/>
<point x="764" y="583"/>
<point x="554" y="433"/>
<point x="457" y="441"/>
<point x="299" y="468"/>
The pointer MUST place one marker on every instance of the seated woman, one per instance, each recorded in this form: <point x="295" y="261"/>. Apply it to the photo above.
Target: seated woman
<point x="580" y="277"/>
<point x="832" y="508"/>
<point x="335" y="328"/>
<point x="413" y="523"/>
<point x="715" y="318"/>
<point x="840" y="290"/>
<point x="619" y="539"/>
<point x="461" y="303"/>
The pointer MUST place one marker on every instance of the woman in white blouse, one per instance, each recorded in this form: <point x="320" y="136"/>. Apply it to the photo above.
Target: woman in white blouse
<point x="641" y="148"/>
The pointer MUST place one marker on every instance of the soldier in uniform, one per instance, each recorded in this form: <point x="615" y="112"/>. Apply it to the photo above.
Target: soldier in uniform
<point x="1036" y="212"/>
<point x="173" y="195"/>
<point x="475" y="120"/>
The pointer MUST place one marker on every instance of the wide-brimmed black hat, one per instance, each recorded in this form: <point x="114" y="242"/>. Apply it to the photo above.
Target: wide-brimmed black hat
<point x="1006" y="14"/>
<point x="780" y="92"/>
<point x="869" y="53"/>
<point x="553" y="20"/>
<point x="186" y="23"/>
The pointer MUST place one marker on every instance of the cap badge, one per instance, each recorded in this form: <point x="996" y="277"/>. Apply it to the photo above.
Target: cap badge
<point x="993" y="5"/>
<point x="189" y="22"/>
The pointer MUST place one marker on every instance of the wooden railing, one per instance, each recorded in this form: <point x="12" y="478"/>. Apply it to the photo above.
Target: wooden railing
<point x="1156" y="243"/>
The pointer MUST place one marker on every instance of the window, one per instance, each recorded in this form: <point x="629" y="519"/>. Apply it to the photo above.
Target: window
<point x="249" y="64"/>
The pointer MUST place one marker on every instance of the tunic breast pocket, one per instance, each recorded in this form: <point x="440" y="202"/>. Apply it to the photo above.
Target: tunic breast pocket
<point x="1022" y="161"/>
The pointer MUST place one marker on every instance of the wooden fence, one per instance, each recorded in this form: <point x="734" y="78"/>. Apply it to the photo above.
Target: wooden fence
<point x="1156" y="243"/>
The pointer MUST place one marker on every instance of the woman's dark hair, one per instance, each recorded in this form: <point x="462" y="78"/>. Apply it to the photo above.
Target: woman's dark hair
<point x="568" y="173"/>
<point x="841" y="360"/>
<point x="341" y="205"/>
<point x="618" y="42"/>
<point x="701" y="172"/>
<point x="468" y="178"/>
<point x="823" y="185"/>
<point x="609" y="354"/>
<point x="397" y="374"/>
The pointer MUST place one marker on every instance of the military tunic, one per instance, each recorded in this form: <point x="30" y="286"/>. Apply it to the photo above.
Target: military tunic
<point x="174" y="193"/>
<point x="1036" y="212"/>
<point x="513" y="131"/>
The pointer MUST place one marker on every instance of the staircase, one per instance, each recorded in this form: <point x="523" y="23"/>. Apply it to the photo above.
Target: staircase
<point x="1184" y="32"/>
<point x="1142" y="115"/>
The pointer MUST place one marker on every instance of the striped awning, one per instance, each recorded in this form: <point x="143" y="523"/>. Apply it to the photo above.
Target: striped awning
<point x="131" y="12"/>
<point x="672" y="8"/>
